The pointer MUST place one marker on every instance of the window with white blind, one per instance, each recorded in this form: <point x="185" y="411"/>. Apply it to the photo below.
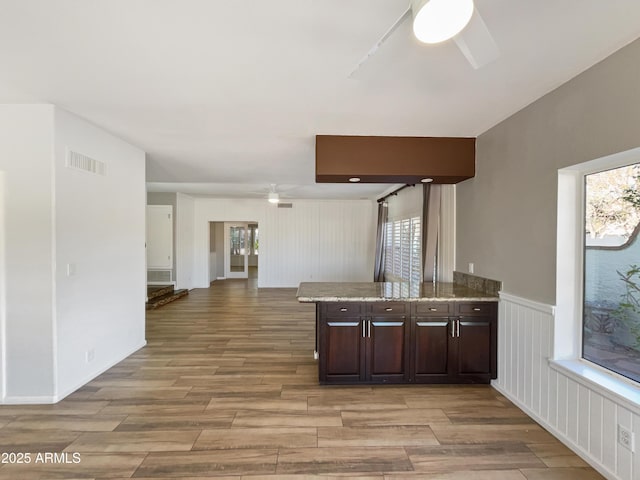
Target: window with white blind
<point x="402" y="250"/>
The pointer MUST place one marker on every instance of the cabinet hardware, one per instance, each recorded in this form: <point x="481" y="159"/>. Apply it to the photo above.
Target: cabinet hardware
<point x="369" y="329"/>
<point x="476" y="309"/>
<point x="388" y="309"/>
<point x="432" y="309"/>
<point x="452" y="328"/>
<point x="363" y="328"/>
<point x="432" y="324"/>
<point x="343" y="309"/>
<point x="458" y="328"/>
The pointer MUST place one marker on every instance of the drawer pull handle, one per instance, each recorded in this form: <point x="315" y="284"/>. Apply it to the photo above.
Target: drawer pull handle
<point x="432" y="309"/>
<point x="388" y="309"/>
<point x="343" y="309"/>
<point x="387" y="324"/>
<point x="476" y="309"/>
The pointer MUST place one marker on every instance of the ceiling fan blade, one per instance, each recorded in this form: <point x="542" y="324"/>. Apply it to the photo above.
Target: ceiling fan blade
<point x="406" y="15"/>
<point x="476" y="42"/>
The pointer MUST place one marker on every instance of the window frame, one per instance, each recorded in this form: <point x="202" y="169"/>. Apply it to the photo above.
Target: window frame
<point x="570" y="251"/>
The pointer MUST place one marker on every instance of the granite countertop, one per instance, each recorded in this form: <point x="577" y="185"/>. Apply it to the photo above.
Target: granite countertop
<point x="389" y="291"/>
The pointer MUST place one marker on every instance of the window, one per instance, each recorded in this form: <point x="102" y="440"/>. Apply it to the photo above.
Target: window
<point x="402" y="250"/>
<point x="611" y="270"/>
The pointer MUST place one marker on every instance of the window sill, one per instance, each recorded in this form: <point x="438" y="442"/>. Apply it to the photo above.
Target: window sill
<point x="600" y="381"/>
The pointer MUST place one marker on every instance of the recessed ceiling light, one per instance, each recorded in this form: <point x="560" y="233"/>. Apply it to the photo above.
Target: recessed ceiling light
<point x="427" y="180"/>
<point x="354" y="179"/>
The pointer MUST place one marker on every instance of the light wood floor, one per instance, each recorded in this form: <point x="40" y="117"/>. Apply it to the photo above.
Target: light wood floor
<point x="227" y="387"/>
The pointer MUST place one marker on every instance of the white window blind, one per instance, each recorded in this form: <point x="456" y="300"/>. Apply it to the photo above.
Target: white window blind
<point x="402" y="250"/>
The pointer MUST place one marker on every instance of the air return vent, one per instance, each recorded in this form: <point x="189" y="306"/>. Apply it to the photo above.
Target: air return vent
<point x="79" y="161"/>
<point x="285" y="205"/>
<point x="159" y="275"/>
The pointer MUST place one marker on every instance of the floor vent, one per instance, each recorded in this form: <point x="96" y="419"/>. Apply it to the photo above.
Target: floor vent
<point x="79" y="161"/>
<point x="285" y="205"/>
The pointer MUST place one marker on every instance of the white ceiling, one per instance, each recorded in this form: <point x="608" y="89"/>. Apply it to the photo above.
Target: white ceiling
<point x="226" y="96"/>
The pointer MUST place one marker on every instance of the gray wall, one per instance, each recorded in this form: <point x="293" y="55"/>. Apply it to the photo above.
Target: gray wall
<point x="506" y="215"/>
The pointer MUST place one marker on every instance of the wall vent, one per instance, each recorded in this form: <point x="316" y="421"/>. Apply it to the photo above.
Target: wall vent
<point x="79" y="161"/>
<point x="159" y="275"/>
<point x="285" y="205"/>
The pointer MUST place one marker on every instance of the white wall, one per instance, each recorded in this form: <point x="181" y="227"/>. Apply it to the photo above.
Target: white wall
<point x="26" y="158"/>
<point x="316" y="240"/>
<point x="3" y="283"/>
<point x="100" y="229"/>
<point x="185" y="243"/>
<point x="54" y="217"/>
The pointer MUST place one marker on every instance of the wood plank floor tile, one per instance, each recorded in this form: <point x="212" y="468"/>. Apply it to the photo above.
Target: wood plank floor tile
<point x="465" y="434"/>
<point x="561" y="474"/>
<point x="257" y="403"/>
<point x="81" y="423"/>
<point x="261" y="419"/>
<point x="343" y="460"/>
<point x="208" y="463"/>
<point x="443" y="459"/>
<point x="125" y="393"/>
<point x="90" y="466"/>
<point x="412" y="416"/>
<point x="556" y="455"/>
<point x="257" y="438"/>
<point x="155" y="407"/>
<point x="67" y="407"/>
<point x="35" y="441"/>
<point x="209" y="419"/>
<point x="376" y="436"/>
<point x="487" y="414"/>
<point x="139" y="441"/>
<point x="355" y="401"/>
<point x="461" y="475"/>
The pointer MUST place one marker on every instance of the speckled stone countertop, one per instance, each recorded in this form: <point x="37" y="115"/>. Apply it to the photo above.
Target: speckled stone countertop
<point x="389" y="291"/>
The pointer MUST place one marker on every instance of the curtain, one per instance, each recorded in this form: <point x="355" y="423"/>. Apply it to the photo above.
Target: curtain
<point x="431" y="195"/>
<point x="378" y="271"/>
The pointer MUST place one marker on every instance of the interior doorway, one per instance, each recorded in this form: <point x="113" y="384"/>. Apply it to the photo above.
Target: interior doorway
<point x="234" y="248"/>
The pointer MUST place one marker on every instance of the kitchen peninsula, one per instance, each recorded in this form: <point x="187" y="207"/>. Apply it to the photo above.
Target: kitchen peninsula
<point x="397" y="332"/>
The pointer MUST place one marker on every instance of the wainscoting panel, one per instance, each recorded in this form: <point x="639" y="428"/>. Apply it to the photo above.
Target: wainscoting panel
<point x="583" y="418"/>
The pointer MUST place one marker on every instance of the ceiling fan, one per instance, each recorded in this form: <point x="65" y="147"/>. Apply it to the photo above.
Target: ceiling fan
<point x="436" y="21"/>
<point x="274" y="193"/>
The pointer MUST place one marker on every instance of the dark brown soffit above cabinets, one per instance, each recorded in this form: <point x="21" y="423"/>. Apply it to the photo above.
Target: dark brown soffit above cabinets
<point x="394" y="159"/>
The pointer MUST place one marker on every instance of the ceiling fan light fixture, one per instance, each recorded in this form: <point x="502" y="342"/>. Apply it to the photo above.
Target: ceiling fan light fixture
<point x="273" y="197"/>
<point x="435" y="21"/>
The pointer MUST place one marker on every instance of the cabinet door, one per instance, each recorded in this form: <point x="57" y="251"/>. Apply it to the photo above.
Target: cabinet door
<point x="433" y="350"/>
<point x="387" y="349"/>
<point x="476" y="349"/>
<point x="341" y="354"/>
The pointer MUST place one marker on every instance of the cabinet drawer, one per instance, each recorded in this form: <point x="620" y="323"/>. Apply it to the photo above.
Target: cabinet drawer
<point x="436" y="308"/>
<point x="343" y="308"/>
<point x="389" y="308"/>
<point x="476" y="308"/>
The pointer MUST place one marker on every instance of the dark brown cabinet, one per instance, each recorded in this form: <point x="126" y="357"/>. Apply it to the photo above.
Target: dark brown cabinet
<point x="457" y="348"/>
<point x="407" y="342"/>
<point x="370" y="348"/>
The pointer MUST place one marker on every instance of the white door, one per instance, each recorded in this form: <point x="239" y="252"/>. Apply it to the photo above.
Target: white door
<point x="236" y="251"/>
<point x="159" y="237"/>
